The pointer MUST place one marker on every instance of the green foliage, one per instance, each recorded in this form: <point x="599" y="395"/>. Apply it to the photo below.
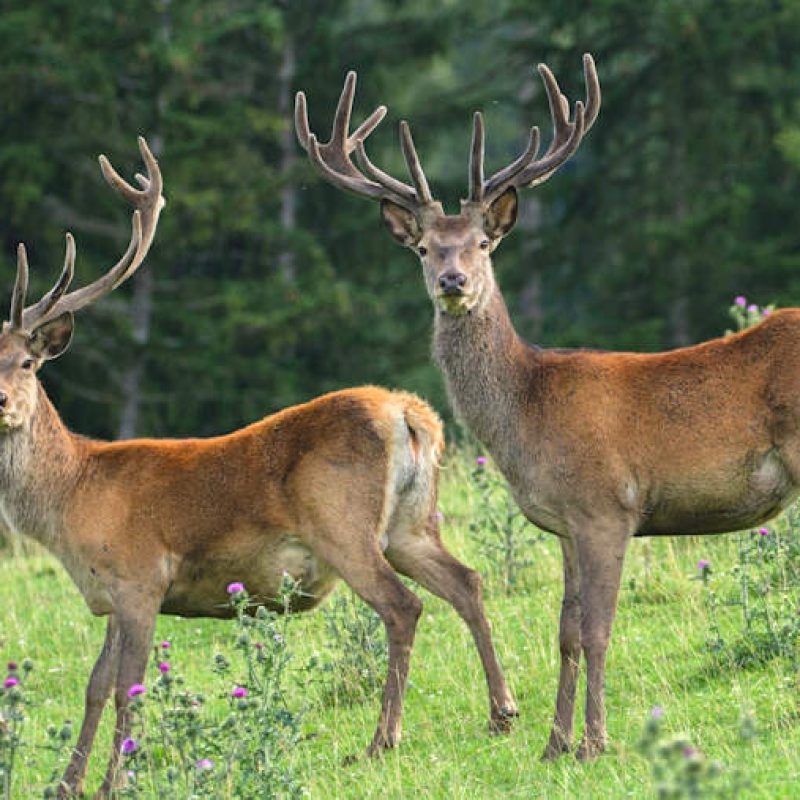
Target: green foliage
<point x="680" y="771"/>
<point x="745" y="314"/>
<point x="657" y="656"/>
<point x="15" y="698"/>
<point x="181" y="748"/>
<point x="505" y="538"/>
<point x="765" y="585"/>
<point x="355" y="669"/>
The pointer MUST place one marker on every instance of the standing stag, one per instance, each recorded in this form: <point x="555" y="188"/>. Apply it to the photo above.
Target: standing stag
<point x="597" y="447"/>
<point x="342" y="486"/>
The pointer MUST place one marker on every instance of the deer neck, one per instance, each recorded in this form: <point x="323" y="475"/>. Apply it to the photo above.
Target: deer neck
<point x="487" y="369"/>
<point x="40" y="463"/>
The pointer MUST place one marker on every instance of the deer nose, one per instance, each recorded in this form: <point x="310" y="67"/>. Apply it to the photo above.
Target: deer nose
<point x="3" y="399"/>
<point x="452" y="282"/>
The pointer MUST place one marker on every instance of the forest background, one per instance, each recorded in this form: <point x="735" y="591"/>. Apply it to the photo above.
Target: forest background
<point x="266" y="286"/>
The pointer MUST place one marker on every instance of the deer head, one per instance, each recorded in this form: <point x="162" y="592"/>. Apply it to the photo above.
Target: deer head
<point x="455" y="250"/>
<point x="43" y="330"/>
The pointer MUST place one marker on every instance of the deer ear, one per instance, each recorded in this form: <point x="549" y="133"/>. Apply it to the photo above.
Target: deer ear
<point x="52" y="339"/>
<point x="402" y="224"/>
<point x="501" y="215"/>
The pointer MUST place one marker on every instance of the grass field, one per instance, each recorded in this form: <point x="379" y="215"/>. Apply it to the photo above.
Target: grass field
<point x="658" y="657"/>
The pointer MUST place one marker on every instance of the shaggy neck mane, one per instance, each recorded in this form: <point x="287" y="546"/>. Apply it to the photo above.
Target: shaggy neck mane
<point x="40" y="463"/>
<point x="487" y="367"/>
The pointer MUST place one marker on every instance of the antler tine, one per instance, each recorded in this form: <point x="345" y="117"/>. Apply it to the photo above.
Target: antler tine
<point x="344" y="109"/>
<point x="341" y="179"/>
<point x="148" y="202"/>
<point x="301" y="126"/>
<point x="366" y="128"/>
<point x="504" y="177"/>
<point x="20" y="288"/>
<point x="593" y="94"/>
<point x="91" y="292"/>
<point x="527" y="170"/>
<point x="559" y="109"/>
<point x="384" y="179"/>
<point x="333" y="158"/>
<point x="539" y="171"/>
<point x="61" y="285"/>
<point x="418" y="178"/>
<point x="476" y="185"/>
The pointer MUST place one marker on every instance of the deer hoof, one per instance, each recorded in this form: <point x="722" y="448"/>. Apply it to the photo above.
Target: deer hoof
<point x="556" y="747"/>
<point x="589" y="749"/>
<point x="502" y="720"/>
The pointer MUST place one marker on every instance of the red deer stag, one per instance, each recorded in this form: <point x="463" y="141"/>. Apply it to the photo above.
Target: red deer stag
<point x="342" y="486"/>
<point x="597" y="447"/>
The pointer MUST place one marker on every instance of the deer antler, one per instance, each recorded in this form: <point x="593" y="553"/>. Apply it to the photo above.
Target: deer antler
<point x="333" y="159"/>
<point x="527" y="170"/>
<point x="147" y="201"/>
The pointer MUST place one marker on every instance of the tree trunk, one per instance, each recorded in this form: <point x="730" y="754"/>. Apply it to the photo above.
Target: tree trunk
<point x="141" y="312"/>
<point x="288" y="148"/>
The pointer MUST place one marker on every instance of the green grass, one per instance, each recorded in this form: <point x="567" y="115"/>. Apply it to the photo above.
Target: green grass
<point x="658" y="657"/>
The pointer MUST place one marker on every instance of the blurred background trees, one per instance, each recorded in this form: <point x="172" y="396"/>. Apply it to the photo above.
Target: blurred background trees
<point x="266" y="286"/>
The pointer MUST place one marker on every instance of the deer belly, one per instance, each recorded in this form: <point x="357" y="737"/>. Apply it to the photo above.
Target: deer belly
<point x="200" y="585"/>
<point x="728" y="500"/>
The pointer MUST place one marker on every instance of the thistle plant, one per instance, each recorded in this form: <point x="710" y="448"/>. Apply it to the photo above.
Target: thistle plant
<point x="356" y="669"/>
<point x="12" y="720"/>
<point x="764" y="584"/>
<point x="681" y="770"/>
<point x="183" y="746"/>
<point x="15" y="698"/>
<point x="745" y="314"/>
<point x="504" y="536"/>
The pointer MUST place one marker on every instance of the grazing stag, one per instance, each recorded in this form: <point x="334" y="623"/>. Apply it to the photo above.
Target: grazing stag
<point x="597" y="447"/>
<point x="342" y="486"/>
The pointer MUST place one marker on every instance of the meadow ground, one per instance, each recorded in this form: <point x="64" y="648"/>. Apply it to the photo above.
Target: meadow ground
<point x="659" y="657"/>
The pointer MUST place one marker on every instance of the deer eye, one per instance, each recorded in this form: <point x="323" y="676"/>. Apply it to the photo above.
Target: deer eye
<point x="422" y="250"/>
<point x="484" y="245"/>
<point x="27" y="363"/>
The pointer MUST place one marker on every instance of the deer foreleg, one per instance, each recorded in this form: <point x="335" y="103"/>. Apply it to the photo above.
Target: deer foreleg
<point x="570" y="647"/>
<point x="601" y="551"/>
<point x="136" y="624"/>
<point x="97" y="693"/>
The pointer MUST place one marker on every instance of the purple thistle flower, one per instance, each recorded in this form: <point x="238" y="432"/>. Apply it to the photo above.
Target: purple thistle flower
<point x="703" y="564"/>
<point x="481" y="461"/>
<point x="689" y="751"/>
<point x="136" y="689"/>
<point x="740" y="301"/>
<point x="752" y="308"/>
<point x="763" y="531"/>
<point x="10" y="682"/>
<point x="164" y="667"/>
<point x="239" y="692"/>
<point x="656" y="712"/>
<point x="129" y="746"/>
<point x="235" y="588"/>
<point x="204" y="763"/>
<point x="165" y="645"/>
<point x="12" y="666"/>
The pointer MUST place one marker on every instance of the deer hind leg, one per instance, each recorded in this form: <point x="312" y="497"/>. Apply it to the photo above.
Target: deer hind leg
<point x="97" y="693"/>
<point x="601" y="552"/>
<point x="355" y="555"/>
<point x="136" y="617"/>
<point x="421" y="555"/>
<point x="570" y="646"/>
